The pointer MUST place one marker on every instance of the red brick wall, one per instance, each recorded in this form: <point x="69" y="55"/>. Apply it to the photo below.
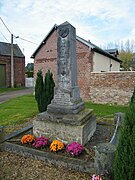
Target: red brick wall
<point x="84" y="67"/>
<point x="112" y="87"/>
<point x="19" y="70"/>
<point x="46" y="59"/>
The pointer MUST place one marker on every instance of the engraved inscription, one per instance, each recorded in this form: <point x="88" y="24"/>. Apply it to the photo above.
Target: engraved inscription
<point x="63" y="57"/>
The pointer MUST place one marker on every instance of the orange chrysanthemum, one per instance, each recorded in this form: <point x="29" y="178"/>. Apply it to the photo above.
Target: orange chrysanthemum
<point x="56" y="145"/>
<point x="27" y="139"/>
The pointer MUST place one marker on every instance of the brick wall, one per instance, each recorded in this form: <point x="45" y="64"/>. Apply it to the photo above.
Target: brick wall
<point x="46" y="58"/>
<point x="112" y="87"/>
<point x="84" y="67"/>
<point x="19" y="70"/>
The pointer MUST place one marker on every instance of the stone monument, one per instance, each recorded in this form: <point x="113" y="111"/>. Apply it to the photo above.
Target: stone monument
<point x="66" y="118"/>
<point x="67" y="96"/>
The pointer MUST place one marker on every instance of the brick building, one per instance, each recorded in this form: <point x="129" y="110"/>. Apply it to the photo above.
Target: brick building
<point x="5" y="65"/>
<point x="90" y="58"/>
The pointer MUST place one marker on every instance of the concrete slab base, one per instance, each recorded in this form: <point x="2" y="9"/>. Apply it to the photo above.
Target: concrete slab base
<point x="67" y="128"/>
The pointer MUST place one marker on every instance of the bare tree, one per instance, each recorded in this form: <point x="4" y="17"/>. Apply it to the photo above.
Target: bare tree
<point x="126" y="52"/>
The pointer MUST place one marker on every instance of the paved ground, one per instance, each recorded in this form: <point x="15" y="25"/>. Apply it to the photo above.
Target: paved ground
<point x="13" y="94"/>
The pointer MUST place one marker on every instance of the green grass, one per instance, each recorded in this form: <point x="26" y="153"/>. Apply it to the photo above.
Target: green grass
<point x="3" y="90"/>
<point x="18" y="110"/>
<point x="105" y="109"/>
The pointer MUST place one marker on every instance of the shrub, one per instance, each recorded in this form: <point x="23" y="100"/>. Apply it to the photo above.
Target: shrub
<point x="56" y="145"/>
<point x="44" y="90"/>
<point x="74" y="148"/>
<point x="29" y="74"/>
<point x="125" y="154"/>
<point x="49" y="88"/>
<point x="39" y="91"/>
<point x="133" y="97"/>
<point x="27" y="139"/>
<point x="40" y="142"/>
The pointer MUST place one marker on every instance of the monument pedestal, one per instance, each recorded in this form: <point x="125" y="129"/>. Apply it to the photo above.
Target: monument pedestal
<point x="67" y="128"/>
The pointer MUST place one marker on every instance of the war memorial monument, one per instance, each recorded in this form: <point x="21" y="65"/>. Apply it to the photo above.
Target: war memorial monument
<point x="66" y="117"/>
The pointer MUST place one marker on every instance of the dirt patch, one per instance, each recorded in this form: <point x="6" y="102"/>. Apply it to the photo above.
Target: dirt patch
<point x="87" y="155"/>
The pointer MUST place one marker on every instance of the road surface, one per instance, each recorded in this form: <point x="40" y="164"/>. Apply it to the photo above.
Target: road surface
<point x="13" y="94"/>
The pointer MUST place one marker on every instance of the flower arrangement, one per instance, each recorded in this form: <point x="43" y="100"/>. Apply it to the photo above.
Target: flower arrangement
<point x="74" y="148"/>
<point x="94" y="177"/>
<point x="27" y="139"/>
<point x="40" y="142"/>
<point x="56" y="145"/>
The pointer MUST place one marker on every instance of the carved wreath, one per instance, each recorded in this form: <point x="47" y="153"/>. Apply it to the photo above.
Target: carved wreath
<point x="63" y="32"/>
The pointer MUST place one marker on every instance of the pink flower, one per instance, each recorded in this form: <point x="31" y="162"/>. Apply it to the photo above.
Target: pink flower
<point x="94" y="177"/>
<point x="41" y="141"/>
<point x="74" y="148"/>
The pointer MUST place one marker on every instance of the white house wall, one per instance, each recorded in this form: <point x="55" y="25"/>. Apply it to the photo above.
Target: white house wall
<point x="102" y="63"/>
<point x="115" y="65"/>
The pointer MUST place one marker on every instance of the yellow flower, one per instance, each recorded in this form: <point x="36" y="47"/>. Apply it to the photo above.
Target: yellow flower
<point x="56" y="145"/>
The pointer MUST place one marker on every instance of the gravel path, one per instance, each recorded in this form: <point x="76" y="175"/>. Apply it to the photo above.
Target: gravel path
<point x="15" y="167"/>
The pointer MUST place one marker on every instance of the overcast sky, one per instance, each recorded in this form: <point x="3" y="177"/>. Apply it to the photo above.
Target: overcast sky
<point x="100" y="21"/>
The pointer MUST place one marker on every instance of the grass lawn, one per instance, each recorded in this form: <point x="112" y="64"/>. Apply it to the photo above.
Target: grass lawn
<point x="18" y="110"/>
<point x="2" y="90"/>
<point x="105" y="109"/>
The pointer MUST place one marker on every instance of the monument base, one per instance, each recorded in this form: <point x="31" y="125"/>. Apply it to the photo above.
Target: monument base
<point x="67" y="128"/>
<point x="65" y="109"/>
